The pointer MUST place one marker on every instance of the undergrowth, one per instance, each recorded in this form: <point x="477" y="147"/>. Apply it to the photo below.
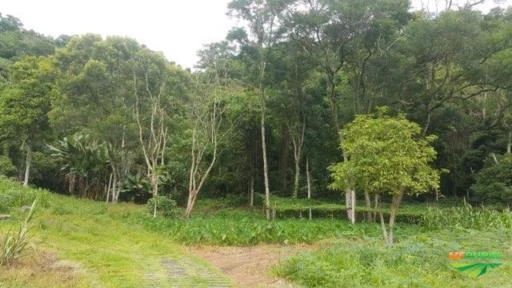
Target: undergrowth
<point x="239" y="227"/>
<point x="418" y="261"/>
<point x="466" y="217"/>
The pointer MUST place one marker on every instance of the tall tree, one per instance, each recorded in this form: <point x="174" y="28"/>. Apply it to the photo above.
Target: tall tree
<point x="262" y="19"/>
<point x="24" y="105"/>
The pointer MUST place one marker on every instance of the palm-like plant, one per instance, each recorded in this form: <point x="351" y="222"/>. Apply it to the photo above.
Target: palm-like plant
<point x="84" y="160"/>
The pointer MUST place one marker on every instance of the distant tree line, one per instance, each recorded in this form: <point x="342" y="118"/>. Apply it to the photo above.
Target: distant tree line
<point x="266" y="109"/>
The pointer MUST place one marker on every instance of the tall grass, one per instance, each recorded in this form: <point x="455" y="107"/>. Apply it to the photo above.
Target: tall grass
<point x="13" y="244"/>
<point x="466" y="217"/>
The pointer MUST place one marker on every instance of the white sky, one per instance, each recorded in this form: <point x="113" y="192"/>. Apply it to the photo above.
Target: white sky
<point x="179" y="28"/>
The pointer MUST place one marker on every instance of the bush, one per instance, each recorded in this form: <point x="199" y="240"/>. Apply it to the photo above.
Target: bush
<point x="6" y="166"/>
<point x="165" y="206"/>
<point x="136" y="189"/>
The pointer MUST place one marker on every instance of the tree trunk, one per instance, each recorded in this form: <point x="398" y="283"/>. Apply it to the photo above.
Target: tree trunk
<point x="298" y="143"/>
<point x="350" y="193"/>
<point x="308" y="178"/>
<point x="115" y="189"/>
<point x="376" y="206"/>
<point x="251" y="192"/>
<point x="154" y="189"/>
<point x="265" y="165"/>
<point x="388" y="231"/>
<point x="368" y="206"/>
<point x="509" y="142"/>
<point x="350" y="203"/>
<point x="28" y="163"/>
<point x="190" y="203"/>
<point x="296" y="180"/>
<point x="109" y="186"/>
<point x="283" y="158"/>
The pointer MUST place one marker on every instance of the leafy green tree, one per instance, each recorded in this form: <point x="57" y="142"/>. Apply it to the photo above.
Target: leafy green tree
<point x="386" y="156"/>
<point x="24" y="106"/>
<point x="262" y="19"/>
<point x="494" y="182"/>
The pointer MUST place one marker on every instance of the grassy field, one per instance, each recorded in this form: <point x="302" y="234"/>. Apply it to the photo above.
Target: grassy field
<point x="107" y="252"/>
<point x="78" y="243"/>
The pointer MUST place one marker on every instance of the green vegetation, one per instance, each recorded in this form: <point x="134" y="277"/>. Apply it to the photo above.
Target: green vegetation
<point x="387" y="156"/>
<point x="237" y="227"/>
<point x="13" y="244"/>
<point x="228" y="153"/>
<point x="493" y="183"/>
<point x="419" y="261"/>
<point x="107" y="251"/>
<point x="119" y="246"/>
<point x="467" y="217"/>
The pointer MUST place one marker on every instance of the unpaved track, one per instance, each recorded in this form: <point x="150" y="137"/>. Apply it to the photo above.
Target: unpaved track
<point x="183" y="272"/>
<point x="249" y="266"/>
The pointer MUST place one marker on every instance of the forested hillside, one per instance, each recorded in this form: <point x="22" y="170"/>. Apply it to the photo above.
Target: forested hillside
<point x="108" y="119"/>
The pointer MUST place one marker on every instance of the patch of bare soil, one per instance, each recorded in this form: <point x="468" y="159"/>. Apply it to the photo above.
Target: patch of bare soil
<point x="250" y="266"/>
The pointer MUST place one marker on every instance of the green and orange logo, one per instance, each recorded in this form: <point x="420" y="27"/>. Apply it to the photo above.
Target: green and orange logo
<point x="475" y="263"/>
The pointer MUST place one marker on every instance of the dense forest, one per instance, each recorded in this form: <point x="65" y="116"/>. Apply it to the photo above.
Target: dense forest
<point x="262" y="114"/>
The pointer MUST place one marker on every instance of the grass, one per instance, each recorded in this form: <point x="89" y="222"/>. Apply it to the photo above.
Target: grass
<point x="110" y="253"/>
<point x="417" y="261"/>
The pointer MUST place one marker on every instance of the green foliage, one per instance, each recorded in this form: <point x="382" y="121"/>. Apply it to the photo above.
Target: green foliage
<point x="494" y="182"/>
<point x="419" y="261"/>
<point x="14" y="196"/>
<point x="387" y="155"/>
<point x="466" y="217"/>
<point x="6" y="166"/>
<point x="165" y="206"/>
<point x="84" y="160"/>
<point x="13" y="244"/>
<point x="136" y="188"/>
<point x="239" y="227"/>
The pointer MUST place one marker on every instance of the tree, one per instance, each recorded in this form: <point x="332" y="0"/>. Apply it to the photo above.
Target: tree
<point x="330" y="31"/>
<point x="386" y="156"/>
<point x="493" y="182"/>
<point x="206" y="117"/>
<point x="24" y="105"/>
<point x="262" y="18"/>
<point x="161" y="82"/>
<point x="95" y="99"/>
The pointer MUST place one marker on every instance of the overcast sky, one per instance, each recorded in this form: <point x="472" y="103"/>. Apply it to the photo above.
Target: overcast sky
<point x="179" y="28"/>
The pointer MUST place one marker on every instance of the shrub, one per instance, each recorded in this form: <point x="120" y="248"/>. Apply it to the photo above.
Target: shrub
<point x="6" y="166"/>
<point x="165" y="206"/>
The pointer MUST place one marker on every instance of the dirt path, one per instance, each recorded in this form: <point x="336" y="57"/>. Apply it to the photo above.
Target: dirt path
<point x="249" y="266"/>
<point x="184" y="273"/>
